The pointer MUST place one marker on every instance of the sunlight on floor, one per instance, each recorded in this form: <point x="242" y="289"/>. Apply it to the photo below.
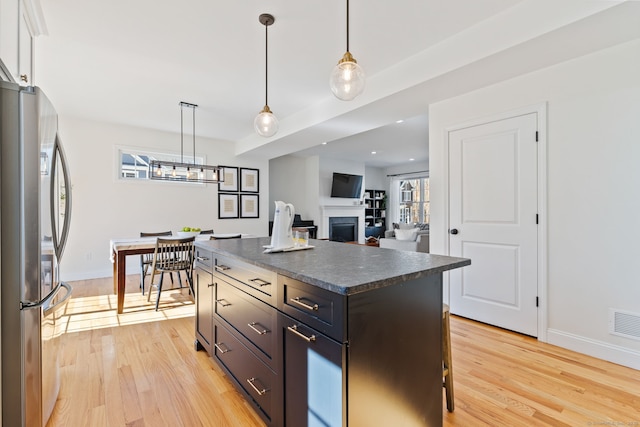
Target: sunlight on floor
<point x="95" y="312"/>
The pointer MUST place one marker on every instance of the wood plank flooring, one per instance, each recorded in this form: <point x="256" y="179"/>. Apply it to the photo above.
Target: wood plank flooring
<point x="140" y="369"/>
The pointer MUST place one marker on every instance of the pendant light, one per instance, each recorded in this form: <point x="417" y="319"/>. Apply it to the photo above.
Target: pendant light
<point x="182" y="171"/>
<point x="266" y="123"/>
<point x="347" y="78"/>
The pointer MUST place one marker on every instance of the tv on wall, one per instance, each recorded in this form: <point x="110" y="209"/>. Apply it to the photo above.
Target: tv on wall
<point x="346" y="186"/>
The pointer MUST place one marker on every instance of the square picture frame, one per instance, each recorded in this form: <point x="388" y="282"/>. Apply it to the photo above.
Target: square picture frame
<point x="249" y="180"/>
<point x="230" y="179"/>
<point x="249" y="206"/>
<point x="227" y="205"/>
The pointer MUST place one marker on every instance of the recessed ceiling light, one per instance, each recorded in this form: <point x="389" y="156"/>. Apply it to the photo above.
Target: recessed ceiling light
<point x="324" y="143"/>
<point x="373" y="152"/>
<point x="399" y="121"/>
<point x="411" y="160"/>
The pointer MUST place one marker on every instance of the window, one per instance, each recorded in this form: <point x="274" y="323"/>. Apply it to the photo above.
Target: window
<point x="134" y="164"/>
<point x="414" y="200"/>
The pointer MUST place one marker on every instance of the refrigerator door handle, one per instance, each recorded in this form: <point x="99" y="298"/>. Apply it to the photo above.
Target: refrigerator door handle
<point x="62" y="302"/>
<point x="59" y="241"/>
<point x="47" y="300"/>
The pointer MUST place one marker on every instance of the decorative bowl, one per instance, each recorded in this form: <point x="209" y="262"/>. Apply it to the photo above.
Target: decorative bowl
<point x="183" y="234"/>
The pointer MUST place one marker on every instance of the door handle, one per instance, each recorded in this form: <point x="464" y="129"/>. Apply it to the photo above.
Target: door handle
<point x="453" y="231"/>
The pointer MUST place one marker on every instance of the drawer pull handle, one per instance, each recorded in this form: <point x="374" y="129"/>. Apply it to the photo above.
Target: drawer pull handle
<point x="252" y="325"/>
<point x="223" y="302"/>
<point x="220" y="349"/>
<point x="260" y="282"/>
<point x="202" y="258"/>
<point x="251" y="382"/>
<point x="294" y="329"/>
<point x="222" y="267"/>
<point x="298" y="301"/>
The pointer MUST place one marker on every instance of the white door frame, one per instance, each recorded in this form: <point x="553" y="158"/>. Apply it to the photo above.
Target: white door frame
<point x="541" y="111"/>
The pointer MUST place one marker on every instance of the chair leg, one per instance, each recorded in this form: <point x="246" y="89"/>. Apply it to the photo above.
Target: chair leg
<point x="142" y="274"/>
<point x="179" y="279"/>
<point x="159" y="290"/>
<point x="446" y="360"/>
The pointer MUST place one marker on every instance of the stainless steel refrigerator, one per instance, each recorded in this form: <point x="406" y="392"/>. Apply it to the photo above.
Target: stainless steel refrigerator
<point x="35" y="206"/>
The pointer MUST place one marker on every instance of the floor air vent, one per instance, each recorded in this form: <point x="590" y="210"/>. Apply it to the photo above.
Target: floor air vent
<point x="624" y="323"/>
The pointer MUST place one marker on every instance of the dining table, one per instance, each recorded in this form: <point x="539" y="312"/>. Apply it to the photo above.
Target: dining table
<point x="120" y="249"/>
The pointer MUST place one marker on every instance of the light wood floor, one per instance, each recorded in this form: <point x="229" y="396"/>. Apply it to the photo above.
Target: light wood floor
<point x="140" y="369"/>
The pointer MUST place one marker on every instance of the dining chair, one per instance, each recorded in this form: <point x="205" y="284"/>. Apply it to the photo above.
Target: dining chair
<point x="172" y="255"/>
<point x="231" y="236"/>
<point x="145" y="260"/>
<point x="206" y="231"/>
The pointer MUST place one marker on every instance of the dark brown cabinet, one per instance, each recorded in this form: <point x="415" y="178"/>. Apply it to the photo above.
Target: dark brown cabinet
<point x="315" y="352"/>
<point x="314" y="386"/>
<point x="203" y="286"/>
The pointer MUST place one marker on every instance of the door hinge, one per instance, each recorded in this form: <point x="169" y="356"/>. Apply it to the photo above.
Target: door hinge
<point x="536" y="218"/>
<point x="536" y="136"/>
<point x="537" y="302"/>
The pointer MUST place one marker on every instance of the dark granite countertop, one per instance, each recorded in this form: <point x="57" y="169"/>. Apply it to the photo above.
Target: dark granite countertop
<point x="338" y="267"/>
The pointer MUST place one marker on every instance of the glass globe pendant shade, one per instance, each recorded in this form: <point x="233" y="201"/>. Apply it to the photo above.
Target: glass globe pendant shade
<point x="266" y="123"/>
<point x="347" y="78"/>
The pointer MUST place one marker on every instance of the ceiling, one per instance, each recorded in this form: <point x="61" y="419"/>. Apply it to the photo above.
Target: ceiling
<point x="132" y="62"/>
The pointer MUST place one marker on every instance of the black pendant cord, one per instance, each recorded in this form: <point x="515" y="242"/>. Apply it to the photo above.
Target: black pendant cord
<point x="181" y="132"/>
<point x="194" y="136"/>
<point x="266" y="64"/>
<point x="347" y="25"/>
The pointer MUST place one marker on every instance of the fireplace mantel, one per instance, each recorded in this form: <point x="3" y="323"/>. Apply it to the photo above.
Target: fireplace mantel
<point x="328" y="211"/>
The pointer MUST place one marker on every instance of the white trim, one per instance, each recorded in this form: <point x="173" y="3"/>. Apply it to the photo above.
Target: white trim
<point x="34" y="16"/>
<point x="541" y="112"/>
<point x="602" y="350"/>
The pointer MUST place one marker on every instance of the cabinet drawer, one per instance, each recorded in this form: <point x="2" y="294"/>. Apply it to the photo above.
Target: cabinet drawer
<point x="254" y="319"/>
<point x="260" y="283"/>
<point x="204" y="259"/>
<point x="318" y="308"/>
<point x="255" y="378"/>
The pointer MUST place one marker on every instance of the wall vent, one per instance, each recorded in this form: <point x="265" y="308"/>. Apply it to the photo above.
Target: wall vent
<point x="624" y="323"/>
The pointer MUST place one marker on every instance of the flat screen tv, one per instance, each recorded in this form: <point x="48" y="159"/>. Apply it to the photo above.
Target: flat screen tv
<point x="346" y="186"/>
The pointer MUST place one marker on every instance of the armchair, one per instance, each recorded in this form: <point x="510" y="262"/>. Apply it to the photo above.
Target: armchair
<point x="421" y="244"/>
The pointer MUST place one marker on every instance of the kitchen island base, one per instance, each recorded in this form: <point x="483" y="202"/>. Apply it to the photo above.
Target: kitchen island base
<point x="305" y="351"/>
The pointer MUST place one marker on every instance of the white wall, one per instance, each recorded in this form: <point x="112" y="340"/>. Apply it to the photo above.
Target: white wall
<point x="105" y="207"/>
<point x="593" y="189"/>
<point x="375" y="178"/>
<point x="288" y="182"/>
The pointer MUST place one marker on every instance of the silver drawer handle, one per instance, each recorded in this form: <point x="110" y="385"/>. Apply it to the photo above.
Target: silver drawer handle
<point x="298" y="301"/>
<point x="260" y="392"/>
<point x="220" y="349"/>
<point x="202" y="258"/>
<point x="210" y="285"/>
<point x="260" y="282"/>
<point x="294" y="329"/>
<point x="220" y="301"/>
<point x="252" y="325"/>
<point x="222" y="267"/>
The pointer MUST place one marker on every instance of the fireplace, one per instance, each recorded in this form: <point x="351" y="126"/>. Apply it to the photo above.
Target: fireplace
<point x="343" y="228"/>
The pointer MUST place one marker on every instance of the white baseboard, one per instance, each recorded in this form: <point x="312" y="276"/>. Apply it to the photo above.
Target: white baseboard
<point x="602" y="350"/>
<point x="86" y="275"/>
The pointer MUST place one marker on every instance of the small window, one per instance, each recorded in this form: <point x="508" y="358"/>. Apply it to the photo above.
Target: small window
<point x="134" y="164"/>
<point x="414" y="201"/>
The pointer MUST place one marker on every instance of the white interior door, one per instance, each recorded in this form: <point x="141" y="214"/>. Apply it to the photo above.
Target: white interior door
<point x="493" y="221"/>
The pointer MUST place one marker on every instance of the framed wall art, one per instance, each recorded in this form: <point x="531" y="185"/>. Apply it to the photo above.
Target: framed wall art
<point x="249" y="206"/>
<point x="229" y="178"/>
<point x="249" y="180"/>
<point x="227" y="205"/>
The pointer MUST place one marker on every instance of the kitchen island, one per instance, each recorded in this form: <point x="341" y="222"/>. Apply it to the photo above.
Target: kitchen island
<point x="332" y="335"/>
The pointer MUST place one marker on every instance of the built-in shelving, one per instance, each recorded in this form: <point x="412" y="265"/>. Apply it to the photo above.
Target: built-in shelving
<point x="375" y="212"/>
